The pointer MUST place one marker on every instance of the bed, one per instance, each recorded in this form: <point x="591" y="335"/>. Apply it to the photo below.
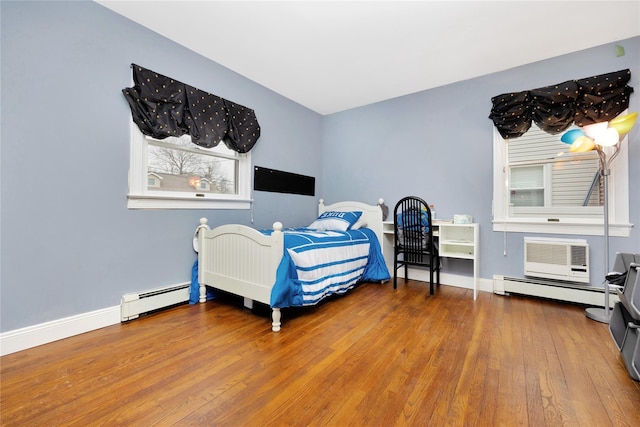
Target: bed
<point x="255" y="265"/>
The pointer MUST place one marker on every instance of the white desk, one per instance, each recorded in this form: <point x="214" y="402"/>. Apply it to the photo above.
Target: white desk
<point x="454" y="241"/>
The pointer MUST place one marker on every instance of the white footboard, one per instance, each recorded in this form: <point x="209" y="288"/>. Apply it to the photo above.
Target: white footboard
<point x="240" y="260"/>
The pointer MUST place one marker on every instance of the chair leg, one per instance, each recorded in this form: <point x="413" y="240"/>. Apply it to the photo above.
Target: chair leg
<point x="432" y="259"/>
<point x="395" y="273"/>
<point x="431" y="279"/>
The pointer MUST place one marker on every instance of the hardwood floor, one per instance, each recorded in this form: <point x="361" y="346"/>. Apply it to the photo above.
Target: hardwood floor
<point x="375" y="357"/>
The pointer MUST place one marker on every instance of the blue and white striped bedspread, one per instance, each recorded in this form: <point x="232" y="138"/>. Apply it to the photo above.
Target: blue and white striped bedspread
<point x="316" y="264"/>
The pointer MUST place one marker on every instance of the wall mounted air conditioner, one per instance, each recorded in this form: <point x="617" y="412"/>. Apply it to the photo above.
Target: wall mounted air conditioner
<point x="559" y="259"/>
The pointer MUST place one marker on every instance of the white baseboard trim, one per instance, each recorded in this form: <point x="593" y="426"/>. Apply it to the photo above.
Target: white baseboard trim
<point x="44" y="333"/>
<point x="456" y="280"/>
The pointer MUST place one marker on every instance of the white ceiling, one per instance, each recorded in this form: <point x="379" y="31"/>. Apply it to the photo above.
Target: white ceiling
<point x="335" y="55"/>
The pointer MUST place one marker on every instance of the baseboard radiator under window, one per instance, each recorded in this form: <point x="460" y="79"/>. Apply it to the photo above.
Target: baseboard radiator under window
<point x="552" y="289"/>
<point x="135" y="304"/>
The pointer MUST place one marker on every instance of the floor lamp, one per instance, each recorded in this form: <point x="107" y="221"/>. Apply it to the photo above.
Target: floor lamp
<point x="597" y="137"/>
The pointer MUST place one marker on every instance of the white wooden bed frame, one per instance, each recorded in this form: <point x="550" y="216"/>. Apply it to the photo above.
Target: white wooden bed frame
<point x="242" y="261"/>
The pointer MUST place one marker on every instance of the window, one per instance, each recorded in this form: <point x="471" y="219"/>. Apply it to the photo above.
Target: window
<point x="174" y="173"/>
<point x="153" y="180"/>
<point x="545" y="178"/>
<point x="539" y="186"/>
<point x="526" y="186"/>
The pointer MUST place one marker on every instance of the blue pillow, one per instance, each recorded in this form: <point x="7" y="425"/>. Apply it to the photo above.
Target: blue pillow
<point x="335" y="220"/>
<point x="413" y="220"/>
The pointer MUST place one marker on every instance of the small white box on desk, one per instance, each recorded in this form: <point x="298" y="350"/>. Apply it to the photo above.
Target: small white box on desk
<point x="462" y="219"/>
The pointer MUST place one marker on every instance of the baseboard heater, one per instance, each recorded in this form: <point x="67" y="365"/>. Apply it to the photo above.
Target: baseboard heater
<point x="552" y="289"/>
<point x="133" y="305"/>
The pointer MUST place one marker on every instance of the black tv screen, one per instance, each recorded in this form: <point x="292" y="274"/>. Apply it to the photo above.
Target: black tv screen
<point x="265" y="179"/>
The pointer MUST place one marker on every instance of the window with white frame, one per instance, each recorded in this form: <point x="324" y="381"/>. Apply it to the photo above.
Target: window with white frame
<point x="539" y="186"/>
<point x="174" y="173"/>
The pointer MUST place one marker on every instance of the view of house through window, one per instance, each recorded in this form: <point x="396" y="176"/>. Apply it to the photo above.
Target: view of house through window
<point x="544" y="176"/>
<point x="176" y="164"/>
<point x="175" y="173"/>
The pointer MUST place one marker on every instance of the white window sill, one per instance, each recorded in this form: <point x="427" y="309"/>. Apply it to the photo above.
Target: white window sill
<point x="561" y="227"/>
<point x="156" y="202"/>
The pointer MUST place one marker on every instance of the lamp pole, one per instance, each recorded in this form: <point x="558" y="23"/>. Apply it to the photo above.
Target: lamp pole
<point x="598" y="136"/>
<point x="595" y="313"/>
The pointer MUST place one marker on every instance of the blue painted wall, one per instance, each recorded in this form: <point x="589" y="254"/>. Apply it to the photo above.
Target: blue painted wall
<point x="438" y="144"/>
<point x="69" y="245"/>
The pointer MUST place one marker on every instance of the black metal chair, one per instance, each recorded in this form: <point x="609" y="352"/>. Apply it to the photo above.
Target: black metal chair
<point x="413" y="239"/>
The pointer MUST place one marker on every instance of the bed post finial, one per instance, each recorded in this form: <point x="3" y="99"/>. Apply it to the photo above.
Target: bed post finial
<point x="203" y="221"/>
<point x="384" y="208"/>
<point x="277" y="227"/>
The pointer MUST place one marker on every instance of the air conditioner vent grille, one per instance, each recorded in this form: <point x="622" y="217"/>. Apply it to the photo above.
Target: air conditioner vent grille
<point x="547" y="254"/>
<point x="578" y="255"/>
<point x="558" y="259"/>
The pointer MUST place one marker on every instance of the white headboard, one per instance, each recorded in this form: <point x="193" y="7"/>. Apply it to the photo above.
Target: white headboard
<point x="371" y="214"/>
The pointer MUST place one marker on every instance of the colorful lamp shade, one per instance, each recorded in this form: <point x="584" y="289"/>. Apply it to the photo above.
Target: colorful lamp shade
<point x="608" y="138"/>
<point x="595" y="130"/>
<point x="570" y="136"/>
<point x="623" y="124"/>
<point x="603" y="134"/>
<point x="582" y="144"/>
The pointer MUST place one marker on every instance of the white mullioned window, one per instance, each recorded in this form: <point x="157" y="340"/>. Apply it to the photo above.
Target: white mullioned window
<point x="174" y="173"/>
<point x="539" y="186"/>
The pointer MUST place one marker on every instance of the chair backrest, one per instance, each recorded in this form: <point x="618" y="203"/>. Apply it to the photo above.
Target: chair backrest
<point x="412" y="224"/>
<point x="623" y="261"/>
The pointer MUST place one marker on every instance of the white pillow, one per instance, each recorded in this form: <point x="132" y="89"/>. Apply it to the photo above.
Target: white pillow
<point x="335" y="220"/>
<point x="358" y="225"/>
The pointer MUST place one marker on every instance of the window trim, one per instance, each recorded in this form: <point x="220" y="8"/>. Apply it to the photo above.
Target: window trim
<point x="618" y="185"/>
<point x="140" y="198"/>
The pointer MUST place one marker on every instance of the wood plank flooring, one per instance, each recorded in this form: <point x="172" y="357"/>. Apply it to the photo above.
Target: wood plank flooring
<point x="375" y="357"/>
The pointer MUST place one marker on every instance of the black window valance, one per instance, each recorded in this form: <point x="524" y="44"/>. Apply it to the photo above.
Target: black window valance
<point x="554" y="108"/>
<point x="164" y="107"/>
